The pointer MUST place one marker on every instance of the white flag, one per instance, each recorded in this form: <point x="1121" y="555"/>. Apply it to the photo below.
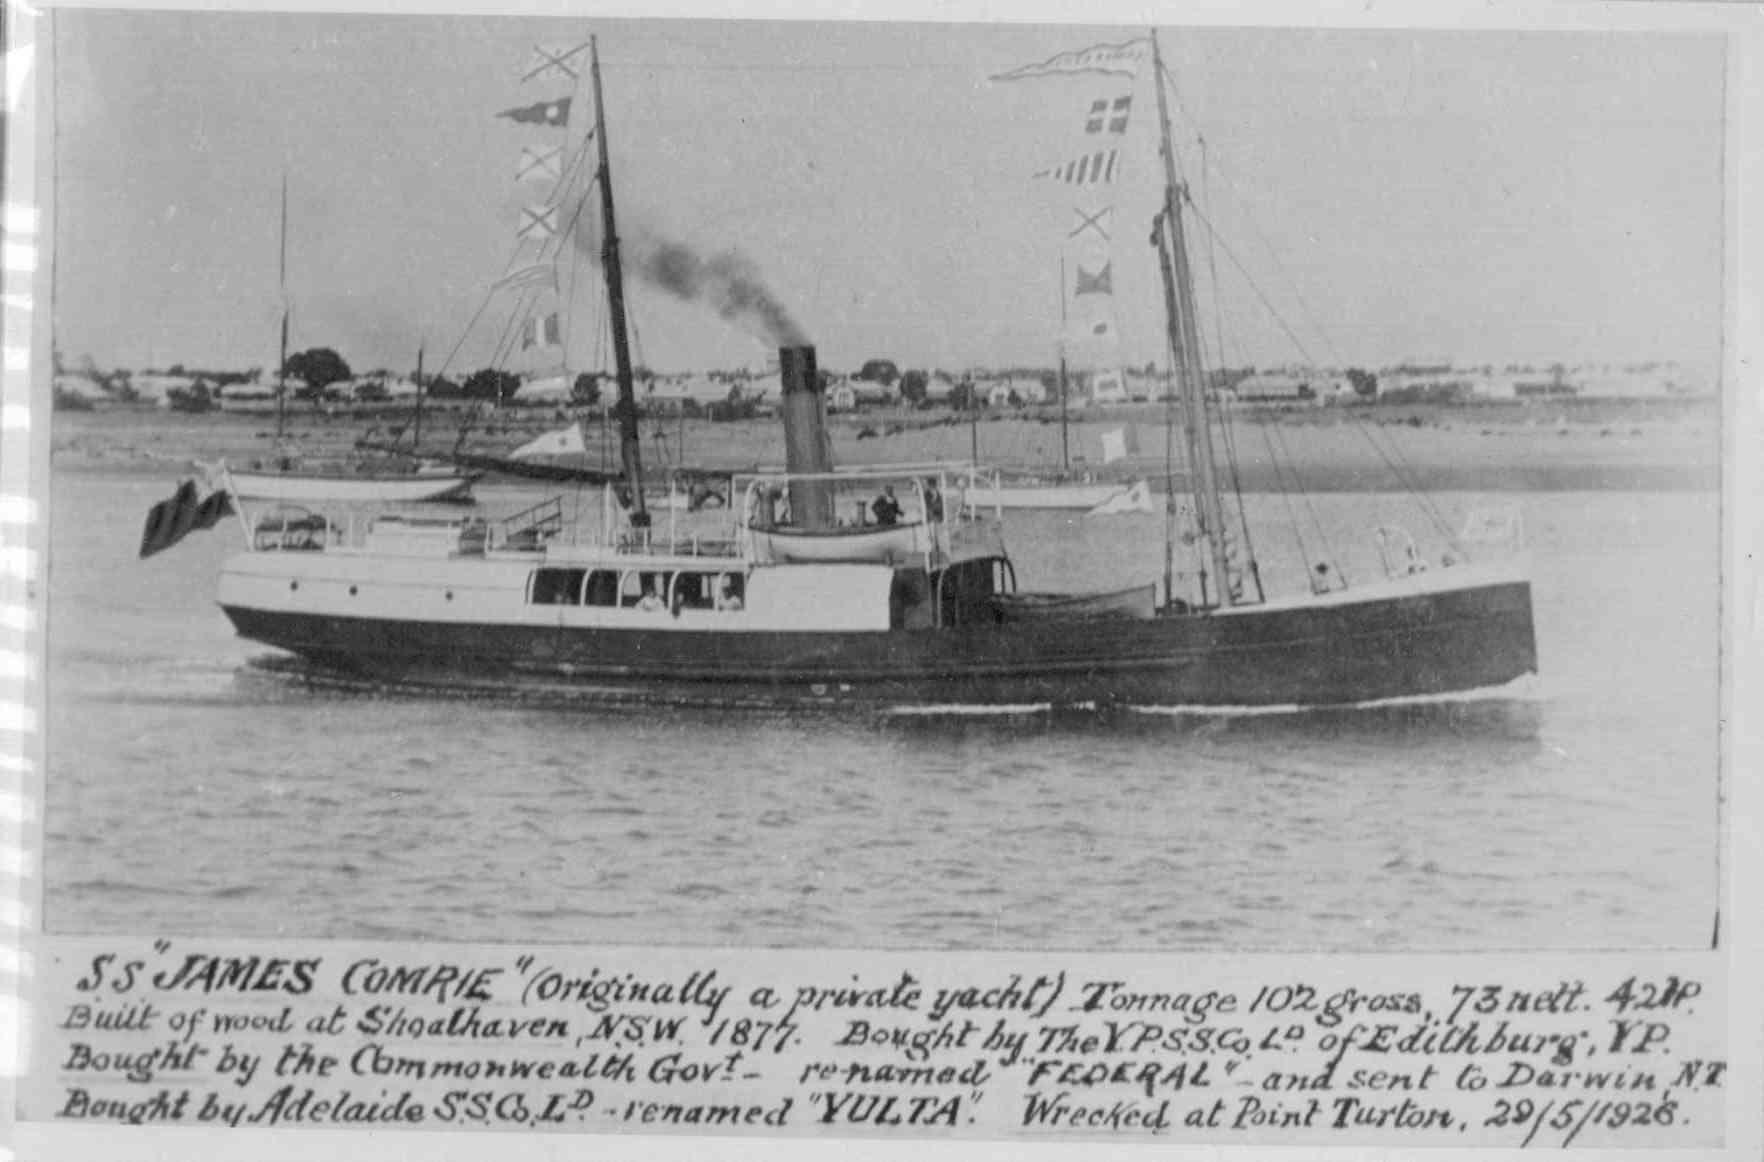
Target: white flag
<point x="542" y="331"/>
<point x="563" y="442"/>
<point x="538" y="223"/>
<point x="540" y="163"/>
<point x="1120" y="60"/>
<point x="562" y="60"/>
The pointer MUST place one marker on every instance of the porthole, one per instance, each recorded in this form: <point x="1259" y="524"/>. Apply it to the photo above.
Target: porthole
<point x="293" y="585"/>
<point x="352" y="591"/>
<point x="450" y="595"/>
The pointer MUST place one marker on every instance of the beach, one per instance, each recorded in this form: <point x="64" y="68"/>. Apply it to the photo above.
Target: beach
<point x="1582" y="445"/>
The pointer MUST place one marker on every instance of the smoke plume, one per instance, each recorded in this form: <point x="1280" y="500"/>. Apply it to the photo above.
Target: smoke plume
<point x="727" y="282"/>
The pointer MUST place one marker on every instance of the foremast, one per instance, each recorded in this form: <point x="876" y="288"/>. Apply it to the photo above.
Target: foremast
<point x="630" y="438"/>
<point x="1185" y="361"/>
<point x="282" y="357"/>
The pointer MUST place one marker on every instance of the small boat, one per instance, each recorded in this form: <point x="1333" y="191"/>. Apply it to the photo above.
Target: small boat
<point x="345" y="484"/>
<point x="1091" y="499"/>
<point x="1138" y="603"/>
<point x="397" y="478"/>
<point x="1064" y="489"/>
<point x="883" y="543"/>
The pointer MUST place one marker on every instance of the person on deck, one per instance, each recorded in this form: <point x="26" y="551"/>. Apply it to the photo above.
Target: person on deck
<point x="933" y="500"/>
<point x="727" y="599"/>
<point x="886" y="508"/>
<point x="651" y="601"/>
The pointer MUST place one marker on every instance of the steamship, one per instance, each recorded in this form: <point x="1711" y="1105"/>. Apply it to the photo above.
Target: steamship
<point x="797" y="597"/>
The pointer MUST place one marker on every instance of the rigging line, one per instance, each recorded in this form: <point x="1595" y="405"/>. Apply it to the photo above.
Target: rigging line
<point x="1274" y="254"/>
<point x="1271" y="435"/>
<point x="1256" y="287"/>
<point x="466" y="331"/>
<point x="1392" y="457"/>
<point x="509" y="266"/>
<point x="517" y="320"/>
<point x="1227" y="428"/>
<point x="564" y="315"/>
<point x="1249" y="547"/>
<point x="1293" y="519"/>
<point x="1403" y="478"/>
<point x="1400" y="468"/>
<point x="1329" y="552"/>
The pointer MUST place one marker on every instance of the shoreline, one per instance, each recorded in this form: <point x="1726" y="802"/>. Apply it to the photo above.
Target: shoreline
<point x="1613" y="447"/>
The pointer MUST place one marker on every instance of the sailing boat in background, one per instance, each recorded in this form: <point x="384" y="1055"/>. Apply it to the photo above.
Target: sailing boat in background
<point x="1063" y="490"/>
<point x="398" y="477"/>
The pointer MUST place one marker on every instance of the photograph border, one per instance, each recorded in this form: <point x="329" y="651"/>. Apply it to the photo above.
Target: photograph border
<point x="25" y="511"/>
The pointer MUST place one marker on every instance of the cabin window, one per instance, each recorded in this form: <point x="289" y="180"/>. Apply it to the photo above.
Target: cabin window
<point x="693" y="590"/>
<point x="729" y="591"/>
<point x="555" y="586"/>
<point x="602" y="588"/>
<point x="644" y="590"/>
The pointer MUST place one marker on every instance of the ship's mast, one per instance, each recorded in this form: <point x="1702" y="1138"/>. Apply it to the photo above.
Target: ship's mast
<point x="1185" y="357"/>
<point x="416" y="438"/>
<point x="282" y="362"/>
<point x="1065" y="439"/>
<point x="630" y="438"/>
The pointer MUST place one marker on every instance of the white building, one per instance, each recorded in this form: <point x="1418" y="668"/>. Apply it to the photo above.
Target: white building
<point x="1013" y="391"/>
<point x="1108" y="387"/>
<point x="156" y="387"/>
<point x="547" y="389"/>
<point x="939" y="386"/>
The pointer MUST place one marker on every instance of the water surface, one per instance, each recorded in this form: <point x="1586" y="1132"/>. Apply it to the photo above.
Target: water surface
<point x="192" y="790"/>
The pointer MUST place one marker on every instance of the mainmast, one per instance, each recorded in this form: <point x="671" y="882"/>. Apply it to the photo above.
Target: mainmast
<point x="1185" y="357"/>
<point x="282" y="283"/>
<point x="630" y="438"/>
<point x="416" y="438"/>
<point x="1065" y="439"/>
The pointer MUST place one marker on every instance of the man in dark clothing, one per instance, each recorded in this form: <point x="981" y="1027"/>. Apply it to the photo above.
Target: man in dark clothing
<point x="886" y="508"/>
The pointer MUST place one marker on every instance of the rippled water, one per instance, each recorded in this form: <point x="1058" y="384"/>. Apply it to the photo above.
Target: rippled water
<point x="193" y="791"/>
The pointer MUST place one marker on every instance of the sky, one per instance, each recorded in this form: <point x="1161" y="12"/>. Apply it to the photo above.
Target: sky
<point x="1365" y="197"/>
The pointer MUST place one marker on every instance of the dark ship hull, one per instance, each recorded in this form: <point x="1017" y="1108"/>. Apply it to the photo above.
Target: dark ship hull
<point x="1345" y="652"/>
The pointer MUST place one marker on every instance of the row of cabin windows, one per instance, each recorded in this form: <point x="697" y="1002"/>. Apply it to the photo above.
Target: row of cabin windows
<point x="636" y="588"/>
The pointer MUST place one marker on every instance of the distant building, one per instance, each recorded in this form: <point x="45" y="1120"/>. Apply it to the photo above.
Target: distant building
<point x="547" y="389"/>
<point x="1141" y="386"/>
<point x="1274" y="388"/>
<point x="1638" y="380"/>
<point x="1427" y="385"/>
<point x="938" y="387"/>
<point x="157" y="387"/>
<point x="1108" y="387"/>
<point x="867" y="393"/>
<point x="1551" y="389"/>
<point x="1013" y="391"/>
<point x="680" y="390"/>
<point x="259" y="389"/>
<point x="82" y="387"/>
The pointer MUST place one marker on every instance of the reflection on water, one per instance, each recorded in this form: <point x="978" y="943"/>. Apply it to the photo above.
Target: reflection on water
<point x="200" y="785"/>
